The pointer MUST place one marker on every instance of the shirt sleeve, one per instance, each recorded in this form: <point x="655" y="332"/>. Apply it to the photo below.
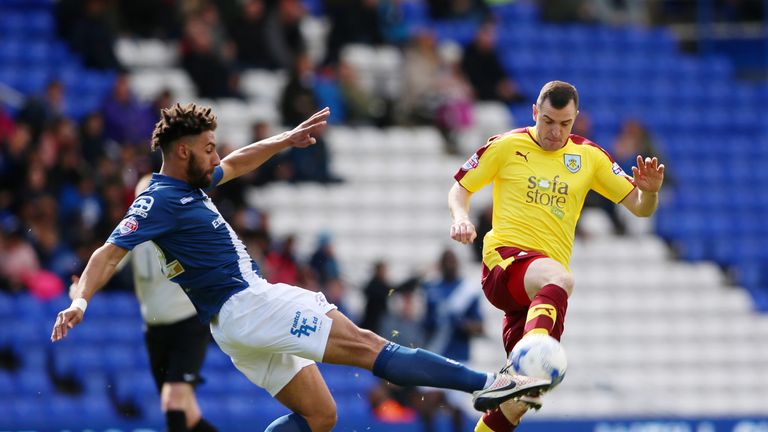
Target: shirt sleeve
<point x="480" y="169"/>
<point x="218" y="173"/>
<point x="148" y="218"/>
<point x="609" y="179"/>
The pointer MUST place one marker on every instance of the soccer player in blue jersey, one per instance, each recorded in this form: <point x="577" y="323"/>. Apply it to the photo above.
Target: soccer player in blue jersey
<point x="273" y="332"/>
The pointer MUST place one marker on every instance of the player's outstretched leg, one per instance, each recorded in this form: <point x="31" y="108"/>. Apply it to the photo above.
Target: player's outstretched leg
<point x="350" y="345"/>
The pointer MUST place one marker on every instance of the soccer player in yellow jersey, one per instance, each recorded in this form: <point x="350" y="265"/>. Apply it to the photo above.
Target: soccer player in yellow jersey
<point x="540" y="177"/>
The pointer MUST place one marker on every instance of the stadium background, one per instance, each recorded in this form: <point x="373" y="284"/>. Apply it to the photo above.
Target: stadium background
<point x="667" y="330"/>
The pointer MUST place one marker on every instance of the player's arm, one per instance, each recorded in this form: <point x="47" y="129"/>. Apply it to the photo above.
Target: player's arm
<point x="101" y="266"/>
<point x="250" y="157"/>
<point x="644" y="198"/>
<point x="462" y="228"/>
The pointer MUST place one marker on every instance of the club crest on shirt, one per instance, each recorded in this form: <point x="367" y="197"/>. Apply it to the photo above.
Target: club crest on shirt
<point x="141" y="206"/>
<point x="572" y="162"/>
<point x="471" y="163"/>
<point x="128" y="225"/>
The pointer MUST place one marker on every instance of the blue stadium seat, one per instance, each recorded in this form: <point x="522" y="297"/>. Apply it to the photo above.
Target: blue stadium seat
<point x="30" y="308"/>
<point x="7" y="305"/>
<point x="73" y="359"/>
<point x="134" y="385"/>
<point x="27" y="410"/>
<point x="95" y="383"/>
<point x="119" y="358"/>
<point x="33" y="357"/>
<point x="33" y="382"/>
<point x="216" y="382"/>
<point x="239" y="384"/>
<point x="7" y="384"/>
<point x="216" y="359"/>
<point x="127" y="330"/>
<point x="150" y="409"/>
<point x="351" y="407"/>
<point x="123" y="304"/>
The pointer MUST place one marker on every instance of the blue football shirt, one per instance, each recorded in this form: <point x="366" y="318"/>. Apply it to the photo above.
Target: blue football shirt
<point x="202" y="252"/>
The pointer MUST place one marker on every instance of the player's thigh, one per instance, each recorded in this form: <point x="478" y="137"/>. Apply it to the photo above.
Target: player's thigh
<point x="350" y="345"/>
<point x="275" y="318"/>
<point x="546" y="271"/>
<point x="157" y="346"/>
<point x="186" y="352"/>
<point x="308" y="395"/>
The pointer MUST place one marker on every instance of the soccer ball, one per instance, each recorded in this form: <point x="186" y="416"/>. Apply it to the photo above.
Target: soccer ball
<point x="539" y="356"/>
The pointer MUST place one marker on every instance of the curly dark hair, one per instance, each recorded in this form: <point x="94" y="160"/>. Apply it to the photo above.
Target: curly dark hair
<point x="179" y="121"/>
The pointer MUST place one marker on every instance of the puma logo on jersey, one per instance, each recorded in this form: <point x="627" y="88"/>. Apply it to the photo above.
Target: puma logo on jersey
<point x="524" y="156"/>
<point x="544" y="309"/>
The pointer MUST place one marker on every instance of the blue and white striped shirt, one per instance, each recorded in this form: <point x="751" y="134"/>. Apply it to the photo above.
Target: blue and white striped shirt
<point x="201" y="250"/>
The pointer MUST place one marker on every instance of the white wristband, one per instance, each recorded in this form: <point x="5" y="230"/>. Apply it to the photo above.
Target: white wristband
<point x="80" y="303"/>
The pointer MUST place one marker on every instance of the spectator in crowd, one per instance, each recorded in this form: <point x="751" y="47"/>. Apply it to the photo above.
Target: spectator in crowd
<point x="6" y="124"/>
<point x="323" y="260"/>
<point x="351" y="22"/>
<point x="148" y="19"/>
<point x="37" y="112"/>
<point x="435" y="91"/>
<point x="452" y="319"/>
<point x="280" y="264"/>
<point x="297" y="102"/>
<point x="484" y="71"/>
<point x="94" y="143"/>
<point x="211" y="73"/>
<point x="377" y="292"/>
<point x="278" y="168"/>
<point x="283" y="32"/>
<point x="402" y="323"/>
<point x="336" y="292"/>
<point x="126" y="120"/>
<point x="395" y="28"/>
<point x="93" y="36"/>
<point x="361" y="107"/>
<point x="249" y="35"/>
<point x="17" y="259"/>
<point x="458" y="9"/>
<point x="14" y="152"/>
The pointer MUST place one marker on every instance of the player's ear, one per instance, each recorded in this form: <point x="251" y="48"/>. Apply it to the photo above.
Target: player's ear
<point x="535" y="112"/>
<point x="182" y="150"/>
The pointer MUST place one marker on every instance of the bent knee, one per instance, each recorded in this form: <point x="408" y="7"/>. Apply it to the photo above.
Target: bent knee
<point x="565" y="281"/>
<point x="323" y="420"/>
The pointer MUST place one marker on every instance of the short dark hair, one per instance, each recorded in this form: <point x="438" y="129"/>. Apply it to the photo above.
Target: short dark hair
<point x="179" y="121"/>
<point x="559" y="94"/>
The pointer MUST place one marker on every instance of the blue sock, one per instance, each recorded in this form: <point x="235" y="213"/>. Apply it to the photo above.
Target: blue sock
<point x="406" y="367"/>
<point x="289" y="423"/>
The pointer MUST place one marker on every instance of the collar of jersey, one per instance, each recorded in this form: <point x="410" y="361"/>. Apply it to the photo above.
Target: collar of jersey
<point x="160" y="178"/>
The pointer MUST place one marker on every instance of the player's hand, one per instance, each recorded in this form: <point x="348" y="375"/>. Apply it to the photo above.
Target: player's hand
<point x="301" y="135"/>
<point x="73" y="287"/>
<point x="648" y="174"/>
<point x="463" y="231"/>
<point x="65" y="320"/>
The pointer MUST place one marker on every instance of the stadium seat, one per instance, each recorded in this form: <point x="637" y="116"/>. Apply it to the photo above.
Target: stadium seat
<point x="33" y="383"/>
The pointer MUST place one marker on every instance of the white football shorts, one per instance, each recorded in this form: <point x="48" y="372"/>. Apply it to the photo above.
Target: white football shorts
<point x="272" y="331"/>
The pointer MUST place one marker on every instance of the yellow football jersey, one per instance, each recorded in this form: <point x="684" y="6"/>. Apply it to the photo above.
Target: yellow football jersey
<point x="538" y="195"/>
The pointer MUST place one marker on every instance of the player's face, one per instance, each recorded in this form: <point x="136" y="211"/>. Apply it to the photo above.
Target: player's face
<point x="554" y="125"/>
<point x="203" y="159"/>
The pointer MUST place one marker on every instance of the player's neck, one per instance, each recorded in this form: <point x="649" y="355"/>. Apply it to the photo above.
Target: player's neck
<point x="175" y="172"/>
